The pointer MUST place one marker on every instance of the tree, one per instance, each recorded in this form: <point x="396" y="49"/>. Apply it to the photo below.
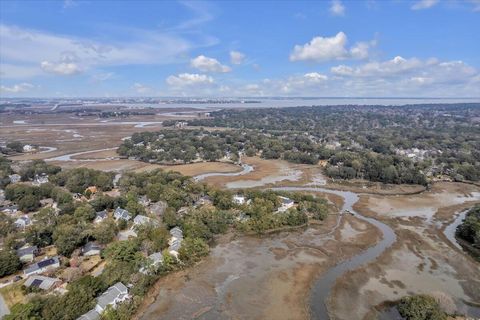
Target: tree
<point x="67" y="238"/>
<point x="192" y="250"/>
<point x="105" y="232"/>
<point x="420" y="307"/>
<point x="9" y="263"/>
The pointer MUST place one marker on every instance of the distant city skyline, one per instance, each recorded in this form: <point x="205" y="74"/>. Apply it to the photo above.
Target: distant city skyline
<point x="426" y="48"/>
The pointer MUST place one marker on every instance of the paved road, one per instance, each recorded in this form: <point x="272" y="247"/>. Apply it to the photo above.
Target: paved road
<point x="3" y="307"/>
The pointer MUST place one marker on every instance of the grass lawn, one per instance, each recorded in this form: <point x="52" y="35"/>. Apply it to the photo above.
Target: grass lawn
<point x="12" y="294"/>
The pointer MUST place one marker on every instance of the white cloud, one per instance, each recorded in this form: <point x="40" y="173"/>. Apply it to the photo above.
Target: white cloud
<point x="17" y="88"/>
<point x="236" y="57"/>
<point x="189" y="79"/>
<point x="315" y="76"/>
<point x="26" y="48"/>
<point x="424" y="4"/>
<point x="402" y="77"/>
<point x="140" y="88"/>
<point x="207" y="64"/>
<point x="337" y="8"/>
<point x="61" y="68"/>
<point x="329" y="48"/>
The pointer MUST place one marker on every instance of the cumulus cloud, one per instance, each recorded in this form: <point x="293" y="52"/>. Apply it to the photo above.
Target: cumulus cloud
<point x="17" y="88"/>
<point x="189" y="79"/>
<point x="402" y="77"/>
<point x="61" y="68"/>
<point x="424" y="4"/>
<point x="337" y="8"/>
<point x="321" y="49"/>
<point x="207" y="64"/>
<point x="236" y="57"/>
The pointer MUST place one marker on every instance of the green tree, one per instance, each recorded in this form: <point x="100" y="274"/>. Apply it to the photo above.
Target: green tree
<point x="420" y="307"/>
<point x="9" y="263"/>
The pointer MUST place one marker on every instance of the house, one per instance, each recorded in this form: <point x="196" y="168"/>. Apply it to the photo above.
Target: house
<point x="40" y="179"/>
<point x="114" y="295"/>
<point x="90" y="315"/>
<point x="238" y="199"/>
<point x="205" y="200"/>
<point x="42" y="266"/>
<point x="174" y="247"/>
<point x="27" y="254"/>
<point x="141" y="220"/>
<point x="100" y="216"/>
<point x="23" y="222"/>
<point x="175" y="241"/>
<point x="14" y="178"/>
<point x="154" y="260"/>
<point x="157" y="208"/>
<point x="28" y="148"/>
<point x="121" y="214"/>
<point x="44" y="283"/>
<point x="285" y="204"/>
<point x="11" y="209"/>
<point x="91" y="249"/>
<point x="176" y="232"/>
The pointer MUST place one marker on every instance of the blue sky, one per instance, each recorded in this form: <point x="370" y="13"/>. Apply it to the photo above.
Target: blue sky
<point x="371" y="48"/>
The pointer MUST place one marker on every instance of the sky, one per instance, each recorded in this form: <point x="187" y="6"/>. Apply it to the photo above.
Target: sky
<point x="339" y="48"/>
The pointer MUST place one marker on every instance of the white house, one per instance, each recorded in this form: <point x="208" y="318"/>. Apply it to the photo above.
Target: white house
<point x="27" y="254"/>
<point x="153" y="262"/>
<point x="91" y="249"/>
<point x="14" y="178"/>
<point x="41" y="282"/>
<point x="285" y="204"/>
<point x="42" y="266"/>
<point x="175" y="241"/>
<point x="121" y="214"/>
<point x="23" y="222"/>
<point x="114" y="295"/>
<point x="238" y="199"/>
<point x="100" y="216"/>
<point x="40" y="179"/>
<point x="28" y="148"/>
<point x="140" y="220"/>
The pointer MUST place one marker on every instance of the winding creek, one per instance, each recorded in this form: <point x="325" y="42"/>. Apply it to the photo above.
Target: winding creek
<point x="245" y="169"/>
<point x="322" y="287"/>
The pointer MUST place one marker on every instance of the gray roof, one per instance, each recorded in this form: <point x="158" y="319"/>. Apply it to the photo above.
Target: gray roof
<point x="41" y="282"/>
<point x="176" y="232"/>
<point x="25" y="251"/>
<point x="111" y="294"/>
<point x="90" y="315"/>
<point x="175" y="245"/>
<point x="122" y="214"/>
<point x="101" y="214"/>
<point x="156" y="257"/>
<point x="42" y="264"/>
<point x="91" y="246"/>
<point x="141" y="219"/>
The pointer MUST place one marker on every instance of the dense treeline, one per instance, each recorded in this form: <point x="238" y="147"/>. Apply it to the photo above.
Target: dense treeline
<point x="469" y="230"/>
<point x="184" y="146"/>
<point x="449" y="134"/>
